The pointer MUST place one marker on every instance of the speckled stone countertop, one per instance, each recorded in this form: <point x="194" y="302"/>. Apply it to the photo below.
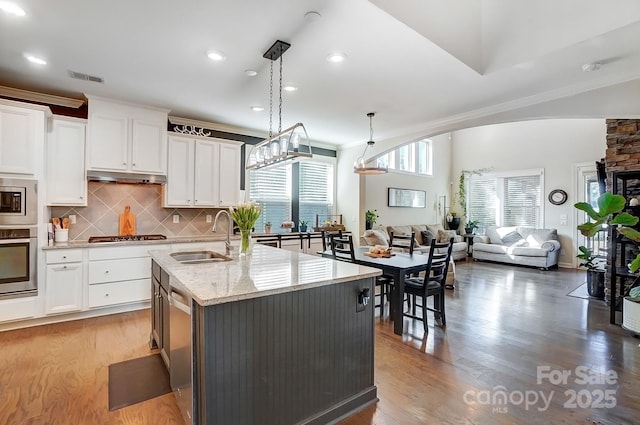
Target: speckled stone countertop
<point x="267" y="271"/>
<point x="169" y="240"/>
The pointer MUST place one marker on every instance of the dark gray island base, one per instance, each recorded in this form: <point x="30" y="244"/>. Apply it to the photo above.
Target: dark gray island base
<point x="277" y="352"/>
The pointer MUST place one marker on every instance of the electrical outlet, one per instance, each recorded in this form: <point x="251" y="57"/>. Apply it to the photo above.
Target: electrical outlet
<point x="72" y="219"/>
<point x="176" y="218"/>
<point x="209" y="219"/>
<point x="562" y="251"/>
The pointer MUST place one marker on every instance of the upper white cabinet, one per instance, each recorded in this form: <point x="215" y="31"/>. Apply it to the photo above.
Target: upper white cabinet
<point x="66" y="176"/>
<point x="22" y="133"/>
<point x="126" y="137"/>
<point x="202" y="172"/>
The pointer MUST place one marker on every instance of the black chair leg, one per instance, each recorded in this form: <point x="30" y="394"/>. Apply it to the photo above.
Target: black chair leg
<point x="424" y="315"/>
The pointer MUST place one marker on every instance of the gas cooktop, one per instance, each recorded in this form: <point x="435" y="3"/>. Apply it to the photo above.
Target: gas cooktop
<point x="98" y="239"/>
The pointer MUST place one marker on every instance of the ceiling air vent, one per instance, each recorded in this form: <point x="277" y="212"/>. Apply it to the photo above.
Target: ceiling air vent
<point x="85" y="77"/>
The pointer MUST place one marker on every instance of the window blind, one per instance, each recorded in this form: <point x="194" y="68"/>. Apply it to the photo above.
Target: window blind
<point x="521" y="201"/>
<point x="271" y="188"/>
<point x="316" y="190"/>
<point x="483" y="196"/>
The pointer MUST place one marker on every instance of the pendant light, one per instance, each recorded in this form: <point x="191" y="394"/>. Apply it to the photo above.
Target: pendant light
<point x="360" y="167"/>
<point x="286" y="146"/>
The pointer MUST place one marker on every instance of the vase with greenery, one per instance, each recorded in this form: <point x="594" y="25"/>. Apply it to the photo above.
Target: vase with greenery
<point x="245" y="216"/>
<point x="303" y="225"/>
<point x="370" y="218"/>
<point x="453" y="221"/>
<point x="267" y="227"/>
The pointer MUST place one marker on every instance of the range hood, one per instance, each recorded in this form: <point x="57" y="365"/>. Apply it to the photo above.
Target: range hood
<point x="117" y="177"/>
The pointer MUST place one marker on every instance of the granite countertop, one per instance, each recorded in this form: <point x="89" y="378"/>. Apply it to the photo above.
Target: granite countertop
<point x="267" y="271"/>
<point x="169" y="240"/>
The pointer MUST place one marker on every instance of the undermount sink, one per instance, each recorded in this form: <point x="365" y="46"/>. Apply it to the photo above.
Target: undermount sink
<point x="194" y="257"/>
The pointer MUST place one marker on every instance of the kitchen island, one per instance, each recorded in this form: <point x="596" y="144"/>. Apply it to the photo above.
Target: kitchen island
<point x="276" y="337"/>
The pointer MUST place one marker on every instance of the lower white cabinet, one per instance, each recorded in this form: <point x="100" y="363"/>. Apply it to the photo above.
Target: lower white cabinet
<point x="64" y="281"/>
<point x="120" y="274"/>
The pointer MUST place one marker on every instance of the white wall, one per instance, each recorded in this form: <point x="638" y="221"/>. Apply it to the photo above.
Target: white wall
<point x="555" y="145"/>
<point x="375" y="189"/>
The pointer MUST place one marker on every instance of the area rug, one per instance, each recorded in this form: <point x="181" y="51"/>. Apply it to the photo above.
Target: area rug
<point x="137" y="380"/>
<point x="580" y="292"/>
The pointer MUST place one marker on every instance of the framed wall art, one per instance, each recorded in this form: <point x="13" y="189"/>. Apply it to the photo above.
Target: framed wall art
<point x="408" y="198"/>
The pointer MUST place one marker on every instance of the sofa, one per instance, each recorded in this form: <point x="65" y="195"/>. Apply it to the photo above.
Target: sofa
<point x="524" y="246"/>
<point x="424" y="233"/>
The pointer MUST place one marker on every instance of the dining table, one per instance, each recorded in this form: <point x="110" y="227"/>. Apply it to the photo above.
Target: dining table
<point x="398" y="265"/>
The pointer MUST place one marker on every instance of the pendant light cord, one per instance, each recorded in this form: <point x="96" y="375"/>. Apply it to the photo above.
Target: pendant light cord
<point x="280" y="106"/>
<point x="271" y="101"/>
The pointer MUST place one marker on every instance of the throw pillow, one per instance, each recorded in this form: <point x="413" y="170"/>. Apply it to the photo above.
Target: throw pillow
<point x="427" y="237"/>
<point x="445" y="235"/>
<point x="512" y="238"/>
<point x="375" y="237"/>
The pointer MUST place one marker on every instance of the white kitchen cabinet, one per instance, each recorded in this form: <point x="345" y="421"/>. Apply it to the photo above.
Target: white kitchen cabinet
<point x="22" y="132"/>
<point x="202" y="172"/>
<point x="66" y="175"/>
<point x="230" y="166"/>
<point x="126" y="137"/>
<point x="64" y="281"/>
<point x="120" y="274"/>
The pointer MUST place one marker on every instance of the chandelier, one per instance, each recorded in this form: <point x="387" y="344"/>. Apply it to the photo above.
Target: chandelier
<point x="360" y="167"/>
<point x="287" y="145"/>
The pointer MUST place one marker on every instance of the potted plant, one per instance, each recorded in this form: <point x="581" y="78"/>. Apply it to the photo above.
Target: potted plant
<point x="610" y="212"/>
<point x="370" y="218"/>
<point x="303" y="225"/>
<point x="470" y="226"/>
<point x="267" y="227"/>
<point x="595" y="274"/>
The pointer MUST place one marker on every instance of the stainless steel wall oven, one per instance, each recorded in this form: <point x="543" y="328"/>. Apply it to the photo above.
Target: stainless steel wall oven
<point x="18" y="265"/>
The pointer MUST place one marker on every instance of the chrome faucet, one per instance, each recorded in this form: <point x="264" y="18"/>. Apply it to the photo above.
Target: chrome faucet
<point x="227" y="243"/>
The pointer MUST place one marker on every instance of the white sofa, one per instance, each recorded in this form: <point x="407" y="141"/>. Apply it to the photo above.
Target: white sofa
<point x="525" y="246"/>
<point x="380" y="236"/>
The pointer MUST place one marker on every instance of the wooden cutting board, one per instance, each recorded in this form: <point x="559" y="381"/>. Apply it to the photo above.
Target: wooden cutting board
<point x="377" y="255"/>
<point x="127" y="222"/>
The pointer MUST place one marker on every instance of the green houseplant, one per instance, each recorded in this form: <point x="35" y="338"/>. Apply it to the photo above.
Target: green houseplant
<point x="610" y="212"/>
<point x="370" y="218"/>
<point x="471" y="226"/>
<point x="303" y="225"/>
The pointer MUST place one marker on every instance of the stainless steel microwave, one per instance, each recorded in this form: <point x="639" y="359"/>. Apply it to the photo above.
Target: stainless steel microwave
<point x="18" y="202"/>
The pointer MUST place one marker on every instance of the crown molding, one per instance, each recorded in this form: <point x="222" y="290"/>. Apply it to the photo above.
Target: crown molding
<point x="48" y="99"/>
<point x="216" y="126"/>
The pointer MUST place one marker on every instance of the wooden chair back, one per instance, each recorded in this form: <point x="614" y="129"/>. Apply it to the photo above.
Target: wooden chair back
<point x="403" y="241"/>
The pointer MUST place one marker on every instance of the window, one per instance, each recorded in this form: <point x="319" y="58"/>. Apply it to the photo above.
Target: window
<point x="315" y="190"/>
<point x="271" y="188"/>
<point x="280" y="197"/>
<point x="413" y="158"/>
<point x="513" y="199"/>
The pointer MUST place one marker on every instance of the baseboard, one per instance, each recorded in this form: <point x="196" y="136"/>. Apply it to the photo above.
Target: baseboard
<point x="67" y="317"/>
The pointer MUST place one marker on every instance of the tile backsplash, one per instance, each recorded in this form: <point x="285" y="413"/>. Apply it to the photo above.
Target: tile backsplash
<point x="108" y="200"/>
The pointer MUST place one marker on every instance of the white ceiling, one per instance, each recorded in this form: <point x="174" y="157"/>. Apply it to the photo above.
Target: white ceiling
<point x="421" y="65"/>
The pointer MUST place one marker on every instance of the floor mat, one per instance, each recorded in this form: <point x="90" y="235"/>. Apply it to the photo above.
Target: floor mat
<point x="581" y="292"/>
<point x="137" y="380"/>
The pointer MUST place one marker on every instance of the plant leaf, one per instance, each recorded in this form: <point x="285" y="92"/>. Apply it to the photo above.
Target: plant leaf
<point x="630" y="233"/>
<point x="586" y="207"/>
<point x="635" y="264"/>
<point x="609" y="203"/>
<point x="625" y="219"/>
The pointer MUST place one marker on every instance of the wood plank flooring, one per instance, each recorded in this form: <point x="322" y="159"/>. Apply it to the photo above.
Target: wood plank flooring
<point x="502" y="324"/>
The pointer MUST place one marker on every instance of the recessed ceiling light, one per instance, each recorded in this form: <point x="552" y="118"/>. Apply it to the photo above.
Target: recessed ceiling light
<point x="290" y="88"/>
<point x="336" y="57"/>
<point x="216" y="55"/>
<point x="257" y="108"/>
<point x="35" y="59"/>
<point x="12" y="8"/>
<point x="590" y="67"/>
<point x="250" y="73"/>
<point x="311" y="16"/>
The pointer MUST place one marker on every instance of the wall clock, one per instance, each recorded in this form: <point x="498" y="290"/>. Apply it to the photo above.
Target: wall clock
<point x="557" y="197"/>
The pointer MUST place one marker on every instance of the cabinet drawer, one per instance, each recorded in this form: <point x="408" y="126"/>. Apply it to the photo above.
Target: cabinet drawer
<point x="122" y="269"/>
<point x="64" y="256"/>
<point x="119" y="293"/>
<point x="114" y="252"/>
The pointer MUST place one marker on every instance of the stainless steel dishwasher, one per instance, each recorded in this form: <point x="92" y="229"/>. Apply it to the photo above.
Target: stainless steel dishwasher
<point x="181" y="336"/>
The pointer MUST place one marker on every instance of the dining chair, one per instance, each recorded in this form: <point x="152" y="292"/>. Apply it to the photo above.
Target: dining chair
<point x="326" y="238"/>
<point x="342" y="248"/>
<point x="432" y="284"/>
<point x="403" y="241"/>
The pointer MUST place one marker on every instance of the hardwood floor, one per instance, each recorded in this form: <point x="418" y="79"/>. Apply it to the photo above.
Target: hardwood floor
<point x="502" y="324"/>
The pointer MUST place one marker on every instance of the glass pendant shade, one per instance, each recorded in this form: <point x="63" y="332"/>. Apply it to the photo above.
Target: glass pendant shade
<point x="360" y="166"/>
